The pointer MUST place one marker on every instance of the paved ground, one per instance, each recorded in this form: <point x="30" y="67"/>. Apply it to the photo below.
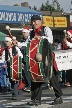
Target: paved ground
<point x="47" y="98"/>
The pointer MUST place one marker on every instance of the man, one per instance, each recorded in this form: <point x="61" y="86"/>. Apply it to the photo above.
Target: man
<point x="21" y="84"/>
<point x="3" y="73"/>
<point x="67" y="44"/>
<point x="11" y="51"/>
<point x="57" y="44"/>
<point x="22" y="45"/>
<point x="26" y="37"/>
<point x="36" y="87"/>
<point x="68" y="39"/>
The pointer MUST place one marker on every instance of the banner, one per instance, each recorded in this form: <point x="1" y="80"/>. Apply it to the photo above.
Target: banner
<point x="63" y="59"/>
<point x="48" y="21"/>
<point x="60" y="22"/>
<point x="15" y="17"/>
<point x="54" y="21"/>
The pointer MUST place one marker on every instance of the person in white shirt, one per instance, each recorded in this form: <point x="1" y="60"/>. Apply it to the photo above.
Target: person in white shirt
<point x="9" y="45"/>
<point x="57" y="45"/>
<point x="11" y="51"/>
<point x="68" y="38"/>
<point x="23" y="50"/>
<point x="36" y="87"/>
<point x="26" y="37"/>
<point x="22" y="45"/>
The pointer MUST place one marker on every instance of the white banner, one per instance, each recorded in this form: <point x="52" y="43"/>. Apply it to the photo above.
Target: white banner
<point x="63" y="59"/>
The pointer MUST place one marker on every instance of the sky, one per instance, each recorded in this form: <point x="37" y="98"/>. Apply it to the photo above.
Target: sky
<point x="65" y="4"/>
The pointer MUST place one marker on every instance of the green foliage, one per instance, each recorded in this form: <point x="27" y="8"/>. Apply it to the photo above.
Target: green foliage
<point x="59" y="9"/>
<point x="30" y="7"/>
<point x="35" y="8"/>
<point x="48" y="7"/>
<point x="42" y="8"/>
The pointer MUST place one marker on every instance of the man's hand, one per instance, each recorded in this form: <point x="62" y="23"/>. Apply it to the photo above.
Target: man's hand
<point x="22" y="65"/>
<point x="4" y="66"/>
<point x="15" y="56"/>
<point x="16" y="42"/>
<point x="7" y="74"/>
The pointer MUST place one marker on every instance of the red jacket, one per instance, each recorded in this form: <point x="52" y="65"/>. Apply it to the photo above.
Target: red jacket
<point x="64" y="46"/>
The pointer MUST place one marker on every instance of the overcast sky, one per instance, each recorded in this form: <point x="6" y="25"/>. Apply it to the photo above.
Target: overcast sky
<point x="65" y="4"/>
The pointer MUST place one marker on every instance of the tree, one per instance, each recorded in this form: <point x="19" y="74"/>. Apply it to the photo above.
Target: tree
<point x="55" y="6"/>
<point x="42" y="8"/>
<point x="46" y="7"/>
<point x="58" y="8"/>
<point x="35" y="8"/>
<point x="30" y="7"/>
<point x="50" y="7"/>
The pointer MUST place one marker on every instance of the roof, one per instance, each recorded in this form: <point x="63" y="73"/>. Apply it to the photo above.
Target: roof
<point x="17" y="9"/>
<point x="16" y="14"/>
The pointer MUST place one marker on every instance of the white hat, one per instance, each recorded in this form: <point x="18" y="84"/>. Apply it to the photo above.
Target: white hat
<point x="69" y="32"/>
<point x="26" y="29"/>
<point x="13" y="37"/>
<point x="8" y="38"/>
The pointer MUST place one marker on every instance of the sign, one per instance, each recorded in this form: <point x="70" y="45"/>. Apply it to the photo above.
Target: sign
<point x="54" y="21"/>
<point x="15" y="17"/>
<point x="60" y="21"/>
<point x="70" y="20"/>
<point x="63" y="59"/>
<point x="48" y="21"/>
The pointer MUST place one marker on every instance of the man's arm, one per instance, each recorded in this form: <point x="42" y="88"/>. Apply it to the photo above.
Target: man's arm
<point x="48" y="34"/>
<point x="69" y="44"/>
<point x="19" y="52"/>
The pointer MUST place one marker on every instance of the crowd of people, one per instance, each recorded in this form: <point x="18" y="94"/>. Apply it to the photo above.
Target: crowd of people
<point x="65" y="44"/>
<point x="15" y="48"/>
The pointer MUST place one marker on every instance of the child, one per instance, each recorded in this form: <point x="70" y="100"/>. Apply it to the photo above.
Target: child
<point x="3" y="73"/>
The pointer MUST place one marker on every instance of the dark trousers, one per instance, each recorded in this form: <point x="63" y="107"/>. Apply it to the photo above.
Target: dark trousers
<point x="26" y="76"/>
<point x="55" y="83"/>
<point x="14" y="85"/>
<point x="36" y="88"/>
<point x="56" y="86"/>
<point x="15" y="88"/>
